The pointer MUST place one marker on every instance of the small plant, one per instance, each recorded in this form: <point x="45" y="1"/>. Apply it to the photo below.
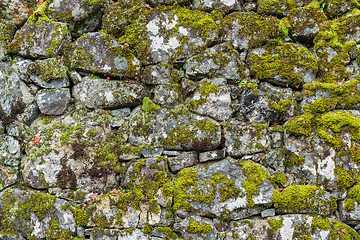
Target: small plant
<point x="182" y="68"/>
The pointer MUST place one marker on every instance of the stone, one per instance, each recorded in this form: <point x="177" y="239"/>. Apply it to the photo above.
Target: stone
<point x="7" y="31"/>
<point x="16" y="11"/>
<point x="167" y="95"/>
<point x="48" y="73"/>
<point x="150" y="152"/>
<point x="82" y="16"/>
<point x="8" y="176"/>
<point x="212" y="99"/>
<point x="121" y="112"/>
<point x="221" y="5"/>
<point x="102" y="93"/>
<point x="268" y="213"/>
<point x="40" y="38"/>
<point x="161" y="74"/>
<point x="244" y="35"/>
<point x="189" y="228"/>
<point x="106" y="56"/>
<point x="242" y="139"/>
<point x="210" y="63"/>
<point x="212" y="155"/>
<point x="172" y="131"/>
<point x="349" y="216"/>
<point x="10" y="151"/>
<point x="53" y="101"/>
<point x="185" y="159"/>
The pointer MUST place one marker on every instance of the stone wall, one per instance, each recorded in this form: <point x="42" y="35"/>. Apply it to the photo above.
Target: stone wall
<point x="211" y="119"/>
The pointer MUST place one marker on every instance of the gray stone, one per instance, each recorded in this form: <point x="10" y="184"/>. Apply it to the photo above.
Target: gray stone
<point x="53" y="101"/>
<point x="150" y="152"/>
<point x="167" y="95"/>
<point x="185" y="159"/>
<point x="171" y="153"/>
<point x="184" y="226"/>
<point x="161" y="74"/>
<point x="75" y="77"/>
<point x="48" y="73"/>
<point x="10" y="151"/>
<point x="40" y="38"/>
<point x="211" y="155"/>
<point x="100" y="54"/>
<point x="102" y="93"/>
<point x="352" y="217"/>
<point x="7" y="31"/>
<point x="137" y="234"/>
<point x="224" y="6"/>
<point x="82" y="16"/>
<point x="242" y="139"/>
<point x="212" y="99"/>
<point x="8" y="176"/>
<point x="121" y="112"/>
<point x="268" y="213"/>
<point x="238" y="214"/>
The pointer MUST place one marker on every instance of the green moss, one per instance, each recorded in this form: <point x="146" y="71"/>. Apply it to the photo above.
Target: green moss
<point x="293" y="160"/>
<point x="48" y="69"/>
<point x="275" y="224"/>
<point x="200" y="229"/>
<point x="204" y="89"/>
<point x="281" y="59"/>
<point x="341" y="231"/>
<point x="168" y="232"/>
<point x="56" y="232"/>
<point x="320" y="223"/>
<point x="344" y="178"/>
<point x="148" y="229"/>
<point x="300" y="125"/>
<point x="299" y="198"/>
<point x="282" y="106"/>
<point x="355" y="193"/>
<point x="279" y="178"/>
<point x="8" y="232"/>
<point x="149" y="106"/>
<point x="255" y="176"/>
<point x="349" y="205"/>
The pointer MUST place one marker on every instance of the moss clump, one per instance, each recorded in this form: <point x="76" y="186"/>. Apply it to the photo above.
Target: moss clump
<point x="49" y="69"/>
<point x="303" y="198"/>
<point x="349" y="205"/>
<point x="56" y="232"/>
<point x="293" y="160"/>
<point x="355" y="193"/>
<point x="281" y="59"/>
<point x="279" y="178"/>
<point x="149" y="106"/>
<point x="200" y="229"/>
<point x="168" y="232"/>
<point x="344" y="178"/>
<point x="320" y="223"/>
<point x="342" y="232"/>
<point x="148" y="229"/>
<point x="255" y="176"/>
<point x="300" y="125"/>
<point x="275" y="224"/>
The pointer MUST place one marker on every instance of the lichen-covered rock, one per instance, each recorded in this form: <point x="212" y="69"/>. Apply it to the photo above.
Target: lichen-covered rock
<point x="53" y="101"/>
<point x="101" y="54"/>
<point x="185" y="159"/>
<point x="9" y="151"/>
<point x="8" y="176"/>
<point x="290" y="226"/>
<point x="283" y="64"/>
<point x="35" y="214"/>
<point x="212" y="155"/>
<point x="167" y="95"/>
<point x="103" y="93"/>
<point x="305" y="24"/>
<point x="221" y="188"/>
<point x="196" y="227"/>
<point x="336" y="8"/>
<point x="243" y="139"/>
<point x="212" y="98"/>
<point x="161" y="74"/>
<point x="7" y="31"/>
<point x="349" y="208"/>
<point x="225" y="6"/>
<point x="218" y="61"/>
<point x="81" y="15"/>
<point x="40" y="38"/>
<point x="172" y="131"/>
<point x="16" y="11"/>
<point x="48" y="73"/>
<point x="247" y="30"/>
<point x="278" y="8"/>
<point x="16" y="100"/>
<point x="176" y="33"/>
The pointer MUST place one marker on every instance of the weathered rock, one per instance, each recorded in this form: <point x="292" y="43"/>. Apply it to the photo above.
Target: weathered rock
<point x="81" y="15"/>
<point x="333" y="9"/>
<point x="172" y="131"/>
<point x="16" y="100"/>
<point x="102" y="93"/>
<point x="16" y="11"/>
<point x="305" y="24"/>
<point x="218" y="61"/>
<point x="35" y="214"/>
<point x="40" y="38"/>
<point x="211" y="155"/>
<point x="283" y="64"/>
<point x="9" y="151"/>
<point x="220" y="187"/>
<point x="185" y="159"/>
<point x="349" y="209"/>
<point x="212" y="98"/>
<point x="48" y="73"/>
<point x="161" y="74"/>
<point x="174" y="34"/>
<point x="196" y="227"/>
<point x="53" y="101"/>
<point x="101" y="54"/>
<point x="11" y="235"/>
<point x="7" y="31"/>
<point x="247" y="30"/>
<point x="242" y="139"/>
<point x="290" y="227"/>
<point x="8" y="176"/>
<point x="221" y="5"/>
<point x="167" y="95"/>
